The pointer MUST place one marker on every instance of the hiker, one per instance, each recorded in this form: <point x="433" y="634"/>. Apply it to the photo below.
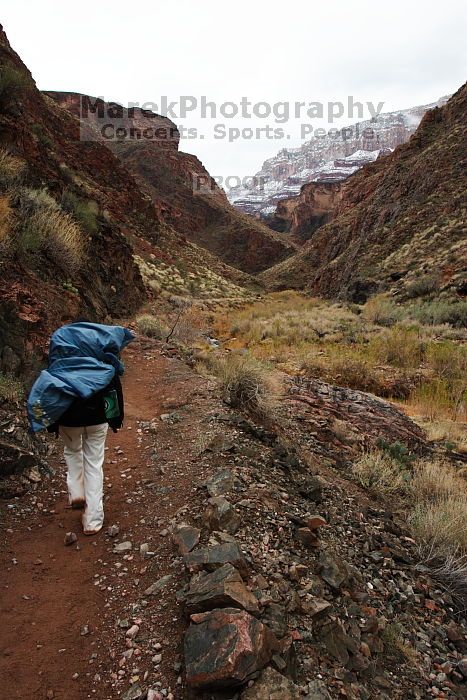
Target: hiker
<point x="78" y="397"/>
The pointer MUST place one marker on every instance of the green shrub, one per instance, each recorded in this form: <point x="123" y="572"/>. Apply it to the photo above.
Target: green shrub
<point x="437" y="312"/>
<point x="11" y="389"/>
<point x="40" y="133"/>
<point x="422" y="286"/>
<point x="152" y="326"/>
<point x="85" y="212"/>
<point x="12" y="82"/>
<point x="397" y="451"/>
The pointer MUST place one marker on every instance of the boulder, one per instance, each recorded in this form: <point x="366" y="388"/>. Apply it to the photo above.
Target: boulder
<point x="333" y="570"/>
<point x="315" y="522"/>
<point x="272" y="686"/>
<point x="186" y="537"/>
<point x="226" y="648"/>
<point x="212" y="558"/>
<point x="223" y="587"/>
<point x="220" y="483"/>
<point x="221" y="515"/>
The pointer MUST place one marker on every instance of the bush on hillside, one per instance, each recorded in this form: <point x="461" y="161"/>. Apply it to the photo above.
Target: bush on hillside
<point x="12" y="82"/>
<point x="246" y="383"/>
<point x="45" y="226"/>
<point x="85" y="212"/>
<point x="380" y="472"/>
<point x="12" y="169"/>
<point x="152" y="327"/>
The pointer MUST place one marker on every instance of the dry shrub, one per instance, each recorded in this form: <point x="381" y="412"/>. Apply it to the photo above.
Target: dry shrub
<point x="399" y="346"/>
<point x="11" y="388"/>
<point x="442" y="524"/>
<point x="439" y="521"/>
<point x="12" y="169"/>
<point x="448" y="360"/>
<point x="57" y="234"/>
<point x="44" y="226"/>
<point x="353" y="370"/>
<point x="5" y="222"/>
<point x="246" y="383"/>
<point x="438" y="399"/>
<point x="190" y="326"/>
<point x="380" y="472"/>
<point x="152" y="327"/>
<point x="432" y="480"/>
<point x="381" y="311"/>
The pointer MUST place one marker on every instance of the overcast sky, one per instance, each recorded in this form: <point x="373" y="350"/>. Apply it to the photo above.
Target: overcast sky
<point x="399" y="52"/>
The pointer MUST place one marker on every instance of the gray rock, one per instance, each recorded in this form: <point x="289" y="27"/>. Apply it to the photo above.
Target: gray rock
<point x="221" y="515"/>
<point x="186" y="537"/>
<point x="333" y="569"/>
<point x="134" y="692"/>
<point x="272" y="686"/>
<point x="158" y="585"/>
<point x="211" y="558"/>
<point x="220" y="483"/>
<point x="122" y="547"/>
<point x="221" y="588"/>
<point x="113" y="531"/>
<point x="70" y="538"/>
<point x="312" y="489"/>
<point x="276" y="618"/>
<point x="317" y="691"/>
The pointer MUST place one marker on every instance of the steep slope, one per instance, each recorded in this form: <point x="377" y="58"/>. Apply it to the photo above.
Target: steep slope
<point x="45" y="167"/>
<point x="78" y="235"/>
<point x="332" y="158"/>
<point x="181" y="188"/>
<point x="399" y="218"/>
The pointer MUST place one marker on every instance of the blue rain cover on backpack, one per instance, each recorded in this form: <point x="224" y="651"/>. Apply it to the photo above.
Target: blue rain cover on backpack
<point x="83" y="359"/>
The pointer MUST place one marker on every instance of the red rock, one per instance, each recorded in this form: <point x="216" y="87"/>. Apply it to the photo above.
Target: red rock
<point x="226" y="648"/>
<point x="315" y="522"/>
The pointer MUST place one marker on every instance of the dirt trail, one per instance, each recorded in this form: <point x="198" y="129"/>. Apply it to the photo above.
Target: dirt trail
<point x="49" y="591"/>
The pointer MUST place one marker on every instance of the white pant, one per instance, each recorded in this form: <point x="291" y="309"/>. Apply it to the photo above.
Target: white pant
<point x="84" y="456"/>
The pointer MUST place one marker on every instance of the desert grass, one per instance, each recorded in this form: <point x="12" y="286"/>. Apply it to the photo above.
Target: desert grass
<point x="377" y="470"/>
<point x="152" y="326"/>
<point x="376" y="348"/>
<point x="6" y="217"/>
<point x="12" y="169"/>
<point x="57" y="234"/>
<point x="245" y="382"/>
<point x="11" y="388"/>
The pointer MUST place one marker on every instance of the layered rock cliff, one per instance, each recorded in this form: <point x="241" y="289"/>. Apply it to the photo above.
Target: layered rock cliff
<point x="398" y="219"/>
<point x="331" y="158"/>
<point x="313" y="207"/>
